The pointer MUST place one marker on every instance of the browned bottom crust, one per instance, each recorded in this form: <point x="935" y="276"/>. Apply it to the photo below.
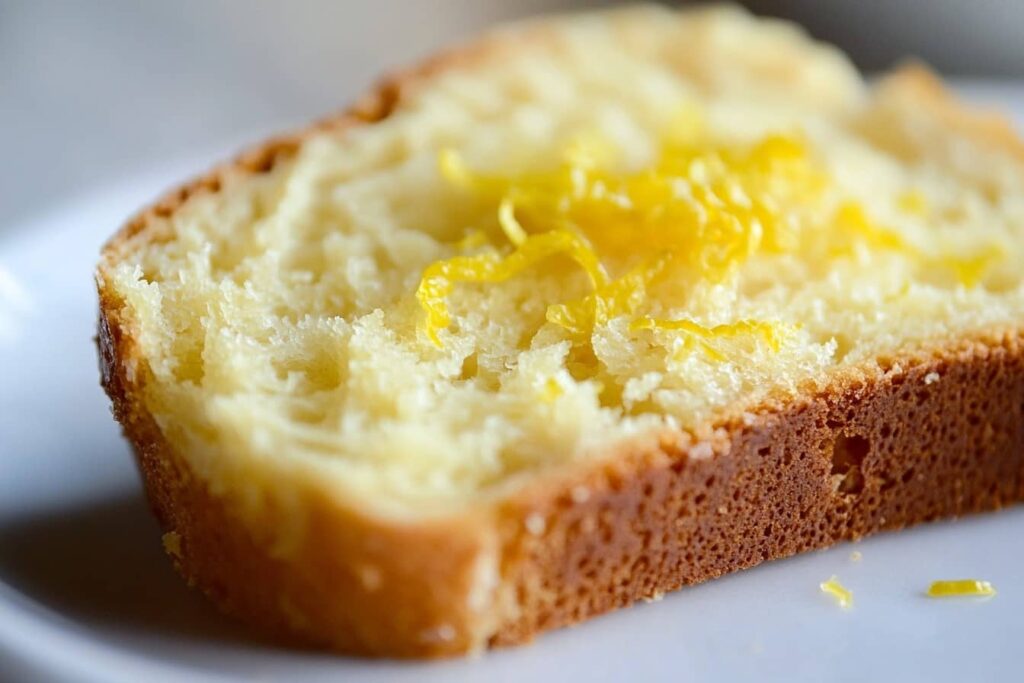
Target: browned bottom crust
<point x="936" y="435"/>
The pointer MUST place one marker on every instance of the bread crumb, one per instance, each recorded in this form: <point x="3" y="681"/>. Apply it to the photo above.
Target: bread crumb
<point x="485" y="580"/>
<point x="856" y="556"/>
<point x="442" y="633"/>
<point x="701" y="451"/>
<point x="931" y="378"/>
<point x="579" y="494"/>
<point x="535" y="524"/>
<point x="172" y="543"/>
<point x="723" y="509"/>
<point x="656" y="596"/>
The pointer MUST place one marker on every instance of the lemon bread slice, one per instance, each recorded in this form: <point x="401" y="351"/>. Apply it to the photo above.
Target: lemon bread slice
<point x="591" y="309"/>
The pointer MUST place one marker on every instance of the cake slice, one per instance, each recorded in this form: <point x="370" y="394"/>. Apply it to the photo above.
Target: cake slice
<point x="594" y="308"/>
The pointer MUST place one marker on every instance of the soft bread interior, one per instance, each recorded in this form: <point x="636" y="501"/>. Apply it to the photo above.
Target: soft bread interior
<point x="279" y="322"/>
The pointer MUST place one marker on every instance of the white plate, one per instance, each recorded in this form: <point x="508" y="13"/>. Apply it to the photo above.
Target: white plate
<point x="86" y="593"/>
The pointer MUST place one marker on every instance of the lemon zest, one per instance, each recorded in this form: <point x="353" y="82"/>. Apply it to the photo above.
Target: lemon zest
<point x="960" y="587"/>
<point x="440" y="277"/>
<point x="507" y="219"/>
<point x="615" y="298"/>
<point x="703" y="209"/>
<point x="843" y="595"/>
<point x="698" y="212"/>
<point x="701" y="336"/>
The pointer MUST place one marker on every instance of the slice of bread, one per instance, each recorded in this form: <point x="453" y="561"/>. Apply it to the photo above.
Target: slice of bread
<point x="591" y="309"/>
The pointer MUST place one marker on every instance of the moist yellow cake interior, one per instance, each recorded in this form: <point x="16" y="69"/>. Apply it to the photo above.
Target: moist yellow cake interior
<point x="642" y="221"/>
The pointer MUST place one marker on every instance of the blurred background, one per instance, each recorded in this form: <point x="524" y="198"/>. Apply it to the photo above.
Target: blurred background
<point x="91" y="92"/>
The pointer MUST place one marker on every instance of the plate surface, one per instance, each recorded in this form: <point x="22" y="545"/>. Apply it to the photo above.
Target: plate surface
<point x="87" y="595"/>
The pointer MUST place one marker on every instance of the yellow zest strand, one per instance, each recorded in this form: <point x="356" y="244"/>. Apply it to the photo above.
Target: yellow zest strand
<point x="440" y="277"/>
<point x="960" y="587"/>
<point x="769" y="333"/>
<point x="507" y="219"/>
<point x="618" y="297"/>
<point x="843" y="595"/>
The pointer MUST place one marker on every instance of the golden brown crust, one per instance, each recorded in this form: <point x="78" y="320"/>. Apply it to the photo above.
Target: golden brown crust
<point x="935" y="435"/>
<point x="883" y="450"/>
